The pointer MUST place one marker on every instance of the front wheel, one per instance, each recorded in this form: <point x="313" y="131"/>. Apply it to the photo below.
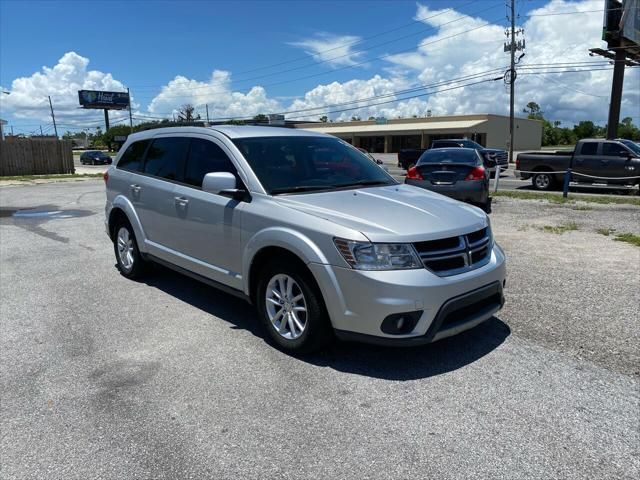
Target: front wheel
<point x="291" y="308"/>
<point x="543" y="181"/>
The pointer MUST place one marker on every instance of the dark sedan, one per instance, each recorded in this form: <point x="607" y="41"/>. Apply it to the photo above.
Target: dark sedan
<point x="95" y="157"/>
<point x="455" y="172"/>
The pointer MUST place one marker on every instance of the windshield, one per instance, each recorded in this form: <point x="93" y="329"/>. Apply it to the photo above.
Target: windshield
<point x="633" y="146"/>
<point x="305" y="164"/>
<point x="449" y="155"/>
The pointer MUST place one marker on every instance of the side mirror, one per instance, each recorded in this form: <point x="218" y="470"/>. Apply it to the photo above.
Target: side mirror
<point x="217" y="182"/>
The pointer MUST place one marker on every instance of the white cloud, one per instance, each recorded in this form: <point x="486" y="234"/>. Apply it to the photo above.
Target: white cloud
<point x="216" y="93"/>
<point x="444" y="55"/>
<point x="334" y="50"/>
<point x="28" y="95"/>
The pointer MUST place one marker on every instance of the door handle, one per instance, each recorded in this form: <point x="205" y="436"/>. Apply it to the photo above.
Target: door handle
<point x="181" y="201"/>
<point x="136" y="188"/>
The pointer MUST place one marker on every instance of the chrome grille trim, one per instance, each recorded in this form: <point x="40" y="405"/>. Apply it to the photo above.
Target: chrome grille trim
<point x="459" y="259"/>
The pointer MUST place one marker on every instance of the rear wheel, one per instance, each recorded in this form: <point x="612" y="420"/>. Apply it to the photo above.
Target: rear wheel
<point x="291" y="308"/>
<point x="543" y="181"/>
<point x="130" y="262"/>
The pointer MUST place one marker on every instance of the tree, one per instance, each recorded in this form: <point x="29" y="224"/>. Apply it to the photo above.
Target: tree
<point x="261" y="117"/>
<point x="186" y="113"/>
<point x="533" y="111"/>
<point x="324" y="119"/>
<point x="108" y="138"/>
<point x="585" y="129"/>
<point x="371" y="118"/>
<point x="355" y="118"/>
<point x="627" y="129"/>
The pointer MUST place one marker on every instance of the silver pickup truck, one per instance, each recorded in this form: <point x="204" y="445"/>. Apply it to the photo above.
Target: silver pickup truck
<point x="593" y="162"/>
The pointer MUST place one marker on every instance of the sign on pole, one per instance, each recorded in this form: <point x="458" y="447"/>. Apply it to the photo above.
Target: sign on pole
<point x="103" y="100"/>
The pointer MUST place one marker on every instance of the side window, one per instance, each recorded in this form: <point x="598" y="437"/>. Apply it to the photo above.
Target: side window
<point x="166" y="156"/>
<point x="614" y="150"/>
<point x="132" y="157"/>
<point x="206" y="157"/>
<point x="589" y="148"/>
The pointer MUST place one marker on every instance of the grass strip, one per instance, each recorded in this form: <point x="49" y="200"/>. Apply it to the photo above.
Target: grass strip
<point x="558" y="198"/>
<point x="631" y="238"/>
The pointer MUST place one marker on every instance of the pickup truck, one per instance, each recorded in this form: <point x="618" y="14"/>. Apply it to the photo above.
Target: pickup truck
<point x="409" y="157"/>
<point x="611" y="162"/>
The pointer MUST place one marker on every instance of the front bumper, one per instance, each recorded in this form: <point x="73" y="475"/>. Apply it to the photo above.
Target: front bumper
<point x="358" y="301"/>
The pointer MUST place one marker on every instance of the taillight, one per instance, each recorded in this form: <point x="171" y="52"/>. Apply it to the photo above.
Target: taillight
<point x="414" y="174"/>
<point x="105" y="177"/>
<point x="476" y="174"/>
<point x="517" y="163"/>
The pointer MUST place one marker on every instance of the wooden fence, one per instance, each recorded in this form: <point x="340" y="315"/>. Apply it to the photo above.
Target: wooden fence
<point x="35" y="157"/>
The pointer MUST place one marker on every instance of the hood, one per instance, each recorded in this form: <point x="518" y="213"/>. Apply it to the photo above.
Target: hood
<point x="396" y="213"/>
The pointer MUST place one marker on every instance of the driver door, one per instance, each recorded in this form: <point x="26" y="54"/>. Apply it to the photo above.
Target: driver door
<point x="208" y="225"/>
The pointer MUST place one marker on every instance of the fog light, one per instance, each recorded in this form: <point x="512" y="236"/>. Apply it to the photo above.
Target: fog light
<point x="400" y="323"/>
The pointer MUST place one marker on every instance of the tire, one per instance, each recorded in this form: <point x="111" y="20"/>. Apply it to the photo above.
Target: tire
<point x="486" y="206"/>
<point x="544" y="181"/>
<point x="125" y="246"/>
<point x="304" y="307"/>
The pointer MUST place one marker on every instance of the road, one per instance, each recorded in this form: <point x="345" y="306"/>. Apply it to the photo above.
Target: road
<point x="102" y="377"/>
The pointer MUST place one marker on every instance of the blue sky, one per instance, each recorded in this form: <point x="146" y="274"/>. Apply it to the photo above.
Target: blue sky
<point x="145" y="45"/>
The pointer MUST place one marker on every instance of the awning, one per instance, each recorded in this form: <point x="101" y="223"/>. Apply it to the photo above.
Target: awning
<point x="395" y="128"/>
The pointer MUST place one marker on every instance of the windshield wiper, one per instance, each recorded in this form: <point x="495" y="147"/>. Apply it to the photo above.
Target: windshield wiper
<point x="300" y="188"/>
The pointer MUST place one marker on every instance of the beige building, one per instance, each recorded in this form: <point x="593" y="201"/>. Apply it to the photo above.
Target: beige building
<point x="389" y="136"/>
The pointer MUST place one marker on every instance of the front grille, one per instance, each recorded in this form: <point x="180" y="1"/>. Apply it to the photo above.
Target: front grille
<point x="454" y="255"/>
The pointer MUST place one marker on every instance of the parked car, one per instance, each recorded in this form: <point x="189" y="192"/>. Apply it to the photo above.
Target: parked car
<point x="259" y="212"/>
<point x="495" y="155"/>
<point x="95" y="157"/>
<point x="606" y="162"/>
<point x="409" y="157"/>
<point x="455" y="172"/>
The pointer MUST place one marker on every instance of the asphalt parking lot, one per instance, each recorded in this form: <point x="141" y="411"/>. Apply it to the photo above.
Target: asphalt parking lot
<point x="102" y="377"/>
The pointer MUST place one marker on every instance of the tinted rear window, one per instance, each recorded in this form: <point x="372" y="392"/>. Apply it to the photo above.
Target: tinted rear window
<point x="446" y="144"/>
<point x="449" y="156"/>
<point x="133" y="156"/>
<point x="589" y="148"/>
<point x="165" y="157"/>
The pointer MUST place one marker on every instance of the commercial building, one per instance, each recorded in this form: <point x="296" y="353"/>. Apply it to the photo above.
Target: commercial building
<point x="389" y="136"/>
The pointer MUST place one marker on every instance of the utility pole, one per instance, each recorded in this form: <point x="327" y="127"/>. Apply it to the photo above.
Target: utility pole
<point x="41" y="134"/>
<point x="53" y="117"/>
<point x="510" y="76"/>
<point x="207" y="108"/>
<point x="130" y="118"/>
<point x="512" y="82"/>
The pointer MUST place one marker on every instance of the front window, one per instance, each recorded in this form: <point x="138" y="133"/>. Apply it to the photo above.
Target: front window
<point x="306" y="164"/>
<point x="633" y="146"/>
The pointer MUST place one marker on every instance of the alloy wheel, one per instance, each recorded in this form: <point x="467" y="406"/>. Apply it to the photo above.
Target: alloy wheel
<point x="286" y="306"/>
<point x="125" y="248"/>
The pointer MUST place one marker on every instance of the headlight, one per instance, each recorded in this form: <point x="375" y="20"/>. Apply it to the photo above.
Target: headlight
<point x="378" y="256"/>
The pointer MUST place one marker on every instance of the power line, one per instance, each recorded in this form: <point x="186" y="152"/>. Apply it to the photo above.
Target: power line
<point x="364" y="40"/>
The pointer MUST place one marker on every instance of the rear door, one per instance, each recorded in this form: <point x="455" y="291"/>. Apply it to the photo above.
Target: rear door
<point x="587" y="161"/>
<point x="162" y="167"/>
<point x="208" y="226"/>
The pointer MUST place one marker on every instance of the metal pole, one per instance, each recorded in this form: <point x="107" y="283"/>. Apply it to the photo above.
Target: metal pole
<point x="53" y="117"/>
<point x="207" y="107"/>
<point x="512" y="81"/>
<point x="130" y="118"/>
<point x="12" y="130"/>
<point x="106" y="120"/>
<point x="41" y="134"/>
<point x="616" y="94"/>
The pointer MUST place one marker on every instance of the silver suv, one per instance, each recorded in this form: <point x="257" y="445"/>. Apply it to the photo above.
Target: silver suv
<point x="308" y="229"/>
